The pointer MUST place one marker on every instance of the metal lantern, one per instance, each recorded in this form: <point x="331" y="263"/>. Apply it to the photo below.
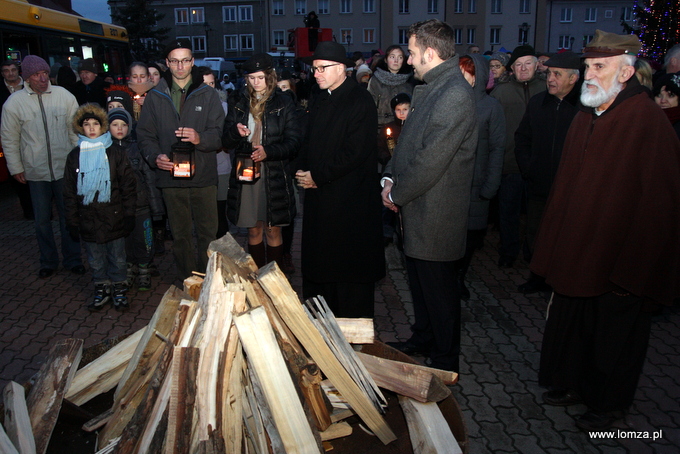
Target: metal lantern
<point x="183" y="165"/>
<point x="247" y="170"/>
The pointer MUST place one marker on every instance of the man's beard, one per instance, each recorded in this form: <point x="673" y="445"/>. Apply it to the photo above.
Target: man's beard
<point x="601" y="96"/>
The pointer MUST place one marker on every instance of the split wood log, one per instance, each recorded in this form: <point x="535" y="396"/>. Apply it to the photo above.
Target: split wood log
<point x="339" y="414"/>
<point x="182" y="399"/>
<point x="51" y="384"/>
<point x="357" y="330"/>
<point x="132" y="432"/>
<point x="240" y="263"/>
<point x="429" y="431"/>
<point x="268" y="364"/>
<point x="288" y="305"/>
<point x="142" y="365"/>
<point x="256" y="439"/>
<point x="98" y="421"/>
<point x="104" y="373"/>
<point x="275" y="441"/>
<point x="17" y="420"/>
<point x="406" y="379"/>
<point x="232" y="394"/>
<point x="337" y="430"/>
<point x="192" y="286"/>
<point x="6" y="446"/>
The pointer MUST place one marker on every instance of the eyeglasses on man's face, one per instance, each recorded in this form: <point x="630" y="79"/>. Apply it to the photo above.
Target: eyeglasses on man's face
<point x="322" y="69"/>
<point x="495" y="66"/>
<point x="184" y="61"/>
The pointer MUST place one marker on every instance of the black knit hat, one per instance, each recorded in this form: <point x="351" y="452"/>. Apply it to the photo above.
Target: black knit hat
<point x="180" y="43"/>
<point x="401" y="98"/>
<point x="519" y="52"/>
<point x="258" y="62"/>
<point x="121" y="97"/>
<point x="120" y="114"/>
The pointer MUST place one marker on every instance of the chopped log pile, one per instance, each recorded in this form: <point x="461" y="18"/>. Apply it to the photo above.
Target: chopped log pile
<point x="233" y="364"/>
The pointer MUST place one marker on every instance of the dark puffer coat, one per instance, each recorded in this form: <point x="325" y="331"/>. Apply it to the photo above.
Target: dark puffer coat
<point x="100" y="222"/>
<point x="282" y="133"/>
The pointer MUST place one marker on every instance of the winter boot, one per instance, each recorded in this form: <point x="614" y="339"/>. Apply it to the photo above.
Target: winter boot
<point x="275" y="254"/>
<point x="257" y="252"/>
<point x="131" y="274"/>
<point x="102" y="295"/>
<point x="144" y="278"/>
<point x="120" y="300"/>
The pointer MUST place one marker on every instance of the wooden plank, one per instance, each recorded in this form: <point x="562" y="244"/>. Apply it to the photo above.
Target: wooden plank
<point x="406" y="379"/>
<point x="6" y="446"/>
<point x="232" y="394"/>
<point x="256" y="439"/>
<point x="357" y="330"/>
<point x="132" y="431"/>
<point x="429" y="431"/>
<point x="52" y="383"/>
<point x="288" y="305"/>
<point x="275" y="440"/>
<point x="182" y="399"/>
<point x="337" y="430"/>
<point x="17" y="420"/>
<point x="142" y="365"/>
<point x="268" y="364"/>
<point x="104" y="373"/>
<point x="98" y="421"/>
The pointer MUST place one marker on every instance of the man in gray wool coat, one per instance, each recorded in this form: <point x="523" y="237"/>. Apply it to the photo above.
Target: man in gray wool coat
<point x="428" y="181"/>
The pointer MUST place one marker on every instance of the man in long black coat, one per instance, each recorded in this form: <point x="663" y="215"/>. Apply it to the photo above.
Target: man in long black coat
<point x="342" y="254"/>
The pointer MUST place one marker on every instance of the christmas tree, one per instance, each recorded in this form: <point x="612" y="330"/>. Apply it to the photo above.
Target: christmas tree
<point x="659" y="26"/>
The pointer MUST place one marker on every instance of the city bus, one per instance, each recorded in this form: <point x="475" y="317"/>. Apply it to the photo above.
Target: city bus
<point x="60" y="38"/>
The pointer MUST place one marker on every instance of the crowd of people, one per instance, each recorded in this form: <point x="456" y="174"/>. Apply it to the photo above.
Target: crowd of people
<point x="411" y="146"/>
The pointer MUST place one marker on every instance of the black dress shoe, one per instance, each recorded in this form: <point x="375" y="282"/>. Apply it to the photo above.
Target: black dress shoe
<point x="593" y="421"/>
<point x="78" y="269"/>
<point x="45" y="273"/>
<point x="409" y="348"/>
<point x="561" y="397"/>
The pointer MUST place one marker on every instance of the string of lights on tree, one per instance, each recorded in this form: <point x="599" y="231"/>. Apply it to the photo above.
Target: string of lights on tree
<point x="658" y="26"/>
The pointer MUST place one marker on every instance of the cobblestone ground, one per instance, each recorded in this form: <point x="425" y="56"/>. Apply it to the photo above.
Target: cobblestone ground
<point x="501" y="339"/>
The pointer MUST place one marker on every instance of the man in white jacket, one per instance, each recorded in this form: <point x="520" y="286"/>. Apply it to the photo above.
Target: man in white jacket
<point x="37" y="137"/>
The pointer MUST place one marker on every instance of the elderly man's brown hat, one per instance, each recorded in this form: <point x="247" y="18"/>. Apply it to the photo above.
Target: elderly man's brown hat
<point x="606" y="44"/>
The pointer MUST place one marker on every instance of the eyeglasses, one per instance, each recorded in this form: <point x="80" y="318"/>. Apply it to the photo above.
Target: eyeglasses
<point x="322" y="69"/>
<point x="184" y="61"/>
<point x="495" y="66"/>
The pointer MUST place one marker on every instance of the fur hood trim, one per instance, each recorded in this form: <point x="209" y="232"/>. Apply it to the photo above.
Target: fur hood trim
<point x="89" y="111"/>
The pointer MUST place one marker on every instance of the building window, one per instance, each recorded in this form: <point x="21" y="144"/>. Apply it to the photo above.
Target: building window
<point x="230" y="43"/>
<point x="524" y="6"/>
<point x="346" y="36"/>
<point x="403" y="6"/>
<point x="472" y="6"/>
<point x="564" y="42"/>
<point x="181" y="16"/>
<point x="565" y="15"/>
<point x="458" y="6"/>
<point x="495" y="35"/>
<point x="198" y="43"/>
<point x="471" y="36"/>
<point x="458" y="35"/>
<point x="247" y="42"/>
<point x="300" y="7"/>
<point x="496" y="6"/>
<point x="279" y="37"/>
<point x="197" y="15"/>
<point x="369" y="6"/>
<point x="369" y="35"/>
<point x="608" y="14"/>
<point x="627" y="14"/>
<point x="245" y="13"/>
<point x="432" y="6"/>
<point x="591" y="14"/>
<point x="277" y="8"/>
<point x="345" y="6"/>
<point x="323" y="7"/>
<point x="587" y="39"/>
<point x="229" y="13"/>
<point x="403" y="36"/>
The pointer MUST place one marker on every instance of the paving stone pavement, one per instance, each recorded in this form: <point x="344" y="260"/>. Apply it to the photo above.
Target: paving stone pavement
<point x="501" y="339"/>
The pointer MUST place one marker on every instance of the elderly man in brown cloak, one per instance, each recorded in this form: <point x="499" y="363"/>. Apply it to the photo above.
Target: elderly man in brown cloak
<point x="608" y="243"/>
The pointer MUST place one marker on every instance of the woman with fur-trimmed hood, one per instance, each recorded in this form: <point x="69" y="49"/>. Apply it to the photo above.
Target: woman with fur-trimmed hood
<point x="100" y="198"/>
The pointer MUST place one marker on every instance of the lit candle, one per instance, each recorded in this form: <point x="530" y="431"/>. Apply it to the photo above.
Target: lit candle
<point x="247" y="174"/>
<point x="389" y="133"/>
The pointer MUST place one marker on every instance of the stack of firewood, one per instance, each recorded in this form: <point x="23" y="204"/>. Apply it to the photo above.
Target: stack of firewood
<point x="235" y="363"/>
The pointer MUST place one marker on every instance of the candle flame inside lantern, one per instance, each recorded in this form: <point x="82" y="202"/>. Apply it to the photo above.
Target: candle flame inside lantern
<point x="389" y="132"/>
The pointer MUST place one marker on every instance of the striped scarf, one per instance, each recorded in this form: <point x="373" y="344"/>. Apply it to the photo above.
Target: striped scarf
<point x="94" y="175"/>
